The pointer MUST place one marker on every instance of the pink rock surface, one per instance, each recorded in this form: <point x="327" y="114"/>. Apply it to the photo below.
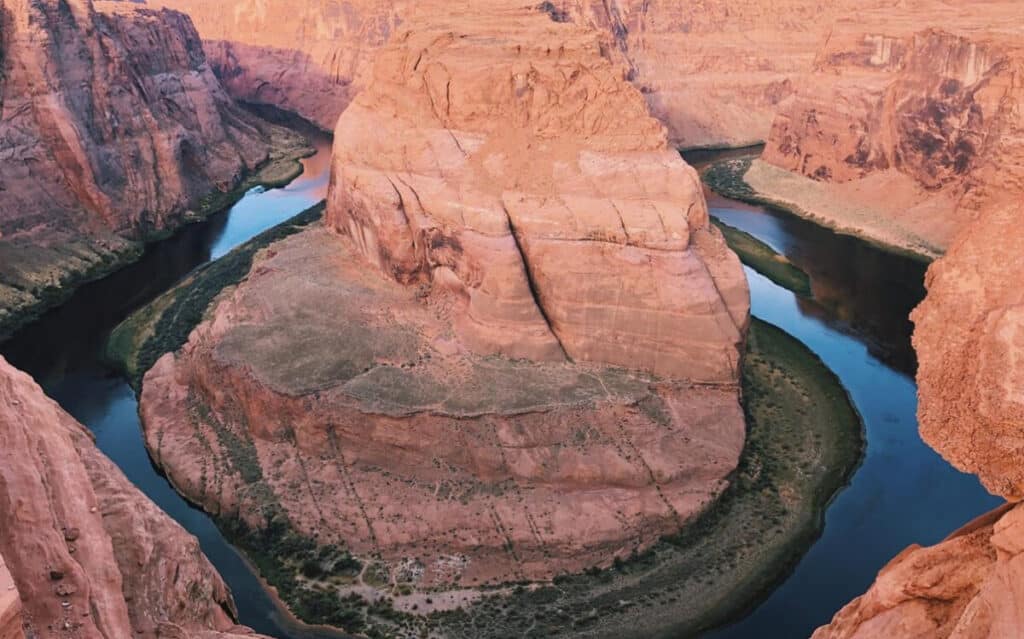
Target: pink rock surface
<point x="10" y="605"/>
<point x="509" y="162"/>
<point x="401" y="443"/>
<point x="91" y="556"/>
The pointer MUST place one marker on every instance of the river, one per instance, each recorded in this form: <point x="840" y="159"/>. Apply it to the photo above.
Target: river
<point x="903" y="493"/>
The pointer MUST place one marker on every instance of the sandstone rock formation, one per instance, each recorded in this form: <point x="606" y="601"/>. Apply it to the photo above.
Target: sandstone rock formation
<point x="539" y="374"/>
<point x="508" y="163"/>
<point x="966" y="586"/>
<point x="113" y="126"/>
<point x="10" y="605"/>
<point x="894" y="108"/>
<point x="90" y="555"/>
<point x="714" y="72"/>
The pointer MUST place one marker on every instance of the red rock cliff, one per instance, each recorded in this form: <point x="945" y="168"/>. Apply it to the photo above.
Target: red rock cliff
<point x="91" y="556"/>
<point x="113" y="126"/>
<point x="713" y="72"/>
<point x="539" y="371"/>
<point x="968" y="336"/>
<point x="509" y="162"/>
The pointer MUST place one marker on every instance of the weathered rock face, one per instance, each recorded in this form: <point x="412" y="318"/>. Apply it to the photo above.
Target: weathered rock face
<point x="509" y="163"/>
<point x="113" y="125"/>
<point x="713" y="72"/>
<point x="10" y="605"/>
<point x="539" y="375"/>
<point x="890" y="107"/>
<point x="966" y="586"/>
<point x="90" y="555"/>
<point x="968" y="335"/>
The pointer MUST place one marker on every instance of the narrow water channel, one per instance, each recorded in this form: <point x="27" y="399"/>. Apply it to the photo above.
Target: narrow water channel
<point x="62" y="351"/>
<point x="903" y="493"/>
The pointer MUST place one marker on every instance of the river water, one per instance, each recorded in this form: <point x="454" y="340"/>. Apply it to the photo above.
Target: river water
<point x="903" y="493"/>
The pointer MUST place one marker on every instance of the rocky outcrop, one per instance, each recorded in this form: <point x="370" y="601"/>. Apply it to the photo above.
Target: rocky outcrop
<point x="891" y="107"/>
<point x="90" y="555"/>
<point x="113" y="129"/>
<point x="966" y="586"/>
<point x="10" y="605"/>
<point x="714" y="72"/>
<point x="510" y="165"/>
<point x="539" y="372"/>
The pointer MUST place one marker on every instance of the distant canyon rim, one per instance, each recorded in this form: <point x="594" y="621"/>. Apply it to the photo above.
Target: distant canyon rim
<point x="506" y="212"/>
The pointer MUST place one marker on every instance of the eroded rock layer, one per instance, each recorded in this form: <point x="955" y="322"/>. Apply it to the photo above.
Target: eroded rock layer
<point x="10" y="605"/>
<point x="908" y="102"/>
<point x="90" y="555"/>
<point x="968" y="335"/>
<point x="508" y="163"/>
<point x="714" y="72"/>
<point x="538" y="373"/>
<point x="113" y="126"/>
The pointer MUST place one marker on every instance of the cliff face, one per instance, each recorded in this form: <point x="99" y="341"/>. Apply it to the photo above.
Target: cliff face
<point x="538" y="374"/>
<point x="90" y="555"/>
<point x="892" y="108"/>
<point x="10" y="605"/>
<point x="113" y="126"/>
<point x="713" y="72"/>
<point x="513" y="167"/>
<point x="968" y="333"/>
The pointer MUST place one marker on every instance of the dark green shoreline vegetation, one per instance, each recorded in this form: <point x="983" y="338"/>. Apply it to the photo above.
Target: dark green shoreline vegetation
<point x="765" y="260"/>
<point x="163" y="325"/>
<point x="35" y="278"/>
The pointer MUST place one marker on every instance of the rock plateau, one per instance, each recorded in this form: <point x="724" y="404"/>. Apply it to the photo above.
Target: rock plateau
<point x="511" y="349"/>
<point x="89" y="554"/>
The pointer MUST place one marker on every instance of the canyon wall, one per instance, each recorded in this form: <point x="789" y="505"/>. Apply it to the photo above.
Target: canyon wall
<point x="968" y="333"/>
<point x="714" y="72"/>
<point x="113" y="127"/>
<point x="534" y="330"/>
<point x="908" y="102"/>
<point x="90" y="555"/>
<point x="10" y="605"/>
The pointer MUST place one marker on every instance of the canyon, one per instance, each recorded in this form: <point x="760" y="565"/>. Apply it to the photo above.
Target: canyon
<point x="485" y="166"/>
<point x="90" y="555"/>
<point x="715" y="73"/>
<point x="511" y="350"/>
<point x="114" y="130"/>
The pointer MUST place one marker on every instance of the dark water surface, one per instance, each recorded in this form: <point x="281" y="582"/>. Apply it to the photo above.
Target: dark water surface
<point x="903" y="493"/>
<point x="62" y="352"/>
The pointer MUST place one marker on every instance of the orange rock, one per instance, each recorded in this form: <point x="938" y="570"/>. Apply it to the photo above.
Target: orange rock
<point x="131" y="571"/>
<point x="908" y="101"/>
<point x="967" y="587"/>
<point x="539" y="372"/>
<point x="508" y="162"/>
<point x="10" y="605"/>
<point x="713" y="72"/>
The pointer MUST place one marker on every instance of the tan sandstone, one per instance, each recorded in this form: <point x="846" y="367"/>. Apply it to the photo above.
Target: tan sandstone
<point x="91" y="556"/>
<point x="10" y="605"/>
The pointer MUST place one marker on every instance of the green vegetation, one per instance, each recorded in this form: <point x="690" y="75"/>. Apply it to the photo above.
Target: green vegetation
<point x="804" y="441"/>
<point x="726" y="178"/>
<point x="163" y="326"/>
<point x="765" y="260"/>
